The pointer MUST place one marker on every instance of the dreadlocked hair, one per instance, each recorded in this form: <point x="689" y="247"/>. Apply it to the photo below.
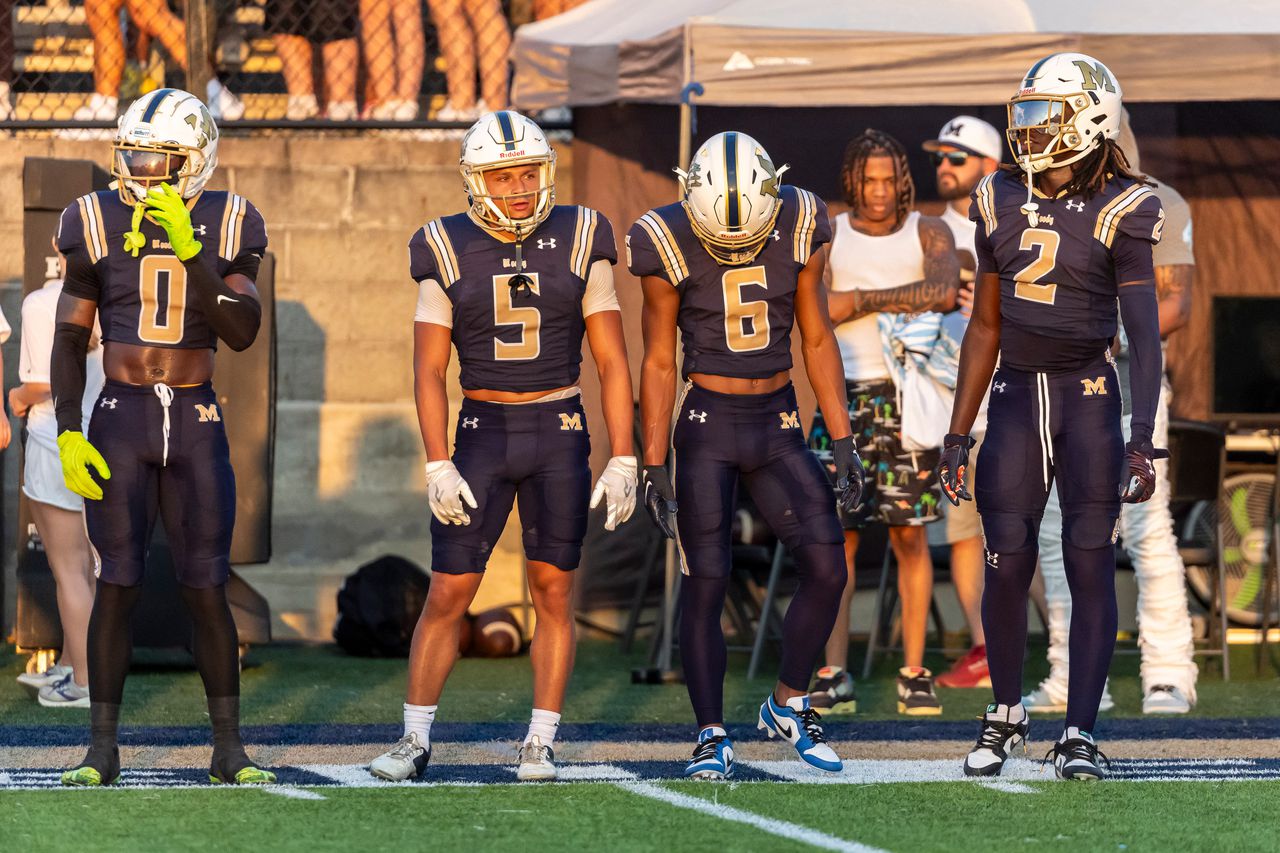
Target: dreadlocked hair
<point x="876" y="143"/>
<point x="1092" y="173"/>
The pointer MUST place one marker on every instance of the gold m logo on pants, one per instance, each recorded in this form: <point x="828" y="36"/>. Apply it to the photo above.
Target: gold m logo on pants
<point x="790" y="420"/>
<point x="208" y="413"/>
<point x="1094" y="386"/>
<point x="571" y="422"/>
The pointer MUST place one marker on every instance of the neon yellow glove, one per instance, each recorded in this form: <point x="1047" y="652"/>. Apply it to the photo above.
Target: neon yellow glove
<point x="170" y="210"/>
<point x="77" y="454"/>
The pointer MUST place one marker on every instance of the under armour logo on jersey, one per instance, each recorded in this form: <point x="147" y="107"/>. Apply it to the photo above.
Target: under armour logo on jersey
<point x="470" y="423"/>
<point x="199" y="229"/>
<point x="208" y="413"/>
<point x="776" y="235"/>
<point x="1077" y="206"/>
<point x="993" y="559"/>
<point x="790" y="420"/>
<point x="1094" y="387"/>
<point x="999" y="386"/>
<point x="549" y="243"/>
<point x="108" y="404"/>
<point x="700" y="417"/>
<point x="571" y="422"/>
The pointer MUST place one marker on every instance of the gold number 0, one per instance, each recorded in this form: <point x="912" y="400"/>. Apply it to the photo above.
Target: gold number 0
<point x="738" y="310"/>
<point x="528" y="318"/>
<point x="1025" y="286"/>
<point x="162" y="275"/>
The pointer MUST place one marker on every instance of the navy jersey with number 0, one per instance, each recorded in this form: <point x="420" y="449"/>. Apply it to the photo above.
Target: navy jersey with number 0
<point x="509" y="339"/>
<point x="1058" y="284"/>
<point x="144" y="300"/>
<point x="734" y="320"/>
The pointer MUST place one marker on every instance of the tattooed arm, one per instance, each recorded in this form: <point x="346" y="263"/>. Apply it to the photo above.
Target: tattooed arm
<point x="936" y="292"/>
<point x="1173" y="291"/>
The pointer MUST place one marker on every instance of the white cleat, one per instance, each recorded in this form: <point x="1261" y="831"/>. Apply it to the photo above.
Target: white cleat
<point x="1166" y="699"/>
<point x="64" y="694"/>
<point x="406" y="760"/>
<point x="33" y="682"/>
<point x="536" y="762"/>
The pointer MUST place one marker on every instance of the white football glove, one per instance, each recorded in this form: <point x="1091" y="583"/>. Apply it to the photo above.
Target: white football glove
<point x="617" y="485"/>
<point x="446" y="490"/>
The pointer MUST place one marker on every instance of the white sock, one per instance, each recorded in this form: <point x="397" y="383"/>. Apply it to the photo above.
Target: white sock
<point x="418" y="719"/>
<point x="1006" y="713"/>
<point x="543" y="724"/>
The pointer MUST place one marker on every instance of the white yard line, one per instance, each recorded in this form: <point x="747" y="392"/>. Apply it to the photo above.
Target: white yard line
<point x="1008" y="787"/>
<point x="780" y="828"/>
<point x="292" y="792"/>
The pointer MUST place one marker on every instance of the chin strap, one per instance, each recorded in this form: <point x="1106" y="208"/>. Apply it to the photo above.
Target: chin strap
<point x="1030" y="208"/>
<point x="134" y="239"/>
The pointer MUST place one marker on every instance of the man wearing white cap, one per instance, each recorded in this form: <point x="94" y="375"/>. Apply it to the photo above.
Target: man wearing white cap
<point x="966" y="150"/>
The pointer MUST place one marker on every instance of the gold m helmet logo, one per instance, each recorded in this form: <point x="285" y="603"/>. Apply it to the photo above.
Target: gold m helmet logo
<point x="571" y="422"/>
<point x="1094" y="386"/>
<point x="208" y="413"/>
<point x="790" y="420"/>
<point x="1094" y="76"/>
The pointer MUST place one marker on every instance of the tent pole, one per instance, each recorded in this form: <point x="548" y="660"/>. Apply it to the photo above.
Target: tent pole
<point x="688" y="123"/>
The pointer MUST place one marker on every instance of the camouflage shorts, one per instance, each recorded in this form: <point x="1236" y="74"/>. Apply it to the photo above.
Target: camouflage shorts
<point x="901" y="486"/>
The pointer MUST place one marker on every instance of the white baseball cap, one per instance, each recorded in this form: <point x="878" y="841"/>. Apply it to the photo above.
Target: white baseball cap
<point x="971" y="134"/>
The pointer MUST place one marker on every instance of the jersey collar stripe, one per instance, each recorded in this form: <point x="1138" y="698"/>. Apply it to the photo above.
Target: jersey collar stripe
<point x="666" y="245"/>
<point x="1109" y="218"/>
<point x="438" y="241"/>
<point x="155" y="103"/>
<point x="508" y="132"/>
<point x="733" y="217"/>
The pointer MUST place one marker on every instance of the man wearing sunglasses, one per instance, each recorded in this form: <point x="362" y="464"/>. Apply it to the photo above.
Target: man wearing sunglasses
<point x="967" y="150"/>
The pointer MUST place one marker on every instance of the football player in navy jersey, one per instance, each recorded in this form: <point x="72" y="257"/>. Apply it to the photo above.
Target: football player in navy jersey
<point x="733" y="267"/>
<point x="169" y="268"/>
<point x="1062" y="238"/>
<point x="513" y="283"/>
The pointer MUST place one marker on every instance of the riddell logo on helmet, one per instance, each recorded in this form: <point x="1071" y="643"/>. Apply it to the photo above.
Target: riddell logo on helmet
<point x="1027" y="91"/>
<point x="503" y="155"/>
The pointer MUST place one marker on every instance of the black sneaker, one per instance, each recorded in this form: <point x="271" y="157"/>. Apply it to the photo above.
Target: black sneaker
<point x="833" y="692"/>
<point x="1003" y="728"/>
<point x="1075" y="756"/>
<point x="915" y="693"/>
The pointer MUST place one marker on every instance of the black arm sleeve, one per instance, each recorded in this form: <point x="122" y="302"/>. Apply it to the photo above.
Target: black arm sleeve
<point x="81" y="279"/>
<point x="67" y="374"/>
<point x="1141" y="314"/>
<point x="234" y="317"/>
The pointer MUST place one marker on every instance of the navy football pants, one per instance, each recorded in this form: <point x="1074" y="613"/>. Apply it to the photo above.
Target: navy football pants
<point x="1045" y="429"/>
<point x="756" y="439"/>
<point x="167" y="451"/>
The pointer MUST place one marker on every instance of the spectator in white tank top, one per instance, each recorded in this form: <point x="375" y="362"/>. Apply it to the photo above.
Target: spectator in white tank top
<point x="885" y="258"/>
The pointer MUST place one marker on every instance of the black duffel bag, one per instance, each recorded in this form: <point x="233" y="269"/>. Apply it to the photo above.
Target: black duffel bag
<point x="378" y="607"/>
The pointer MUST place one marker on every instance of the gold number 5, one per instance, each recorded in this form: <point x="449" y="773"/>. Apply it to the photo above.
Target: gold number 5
<point x="1025" y="280"/>
<point x="528" y="318"/>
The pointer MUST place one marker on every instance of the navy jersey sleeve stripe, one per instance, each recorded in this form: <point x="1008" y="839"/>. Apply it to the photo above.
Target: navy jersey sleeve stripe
<point x="1111" y="215"/>
<point x="672" y="259"/>
<point x="446" y="262"/>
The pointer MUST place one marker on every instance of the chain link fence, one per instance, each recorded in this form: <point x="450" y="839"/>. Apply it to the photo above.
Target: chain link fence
<point x="261" y="63"/>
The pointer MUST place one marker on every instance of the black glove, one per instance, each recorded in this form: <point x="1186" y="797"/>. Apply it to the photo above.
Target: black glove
<point x="1139" y="482"/>
<point x="848" y="474"/>
<point x="953" y="466"/>
<point x="659" y="497"/>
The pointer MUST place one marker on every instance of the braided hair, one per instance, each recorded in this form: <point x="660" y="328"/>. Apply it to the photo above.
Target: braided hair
<point x="876" y="143"/>
<point x="1091" y="173"/>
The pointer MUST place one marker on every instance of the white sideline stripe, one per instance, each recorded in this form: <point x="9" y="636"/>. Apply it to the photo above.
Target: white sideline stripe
<point x="292" y="792"/>
<point x="588" y="773"/>
<point x="780" y="828"/>
<point x="879" y="771"/>
<point x="1008" y="787"/>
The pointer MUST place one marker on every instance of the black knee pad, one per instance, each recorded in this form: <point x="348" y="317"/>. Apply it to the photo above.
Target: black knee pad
<point x="1009" y="533"/>
<point x="1090" y="530"/>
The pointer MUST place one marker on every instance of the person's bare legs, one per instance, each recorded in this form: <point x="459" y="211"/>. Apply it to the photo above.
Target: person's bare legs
<point x="379" y="48"/>
<point x="837" y="648"/>
<point x="553" y="647"/>
<point x="71" y="560"/>
<point x="968" y="563"/>
<point x="341" y="61"/>
<point x="435" y="639"/>
<point x="458" y="47"/>
<point x="493" y="50"/>
<point x="154" y="17"/>
<point x="411" y="49"/>
<point x="915" y="589"/>
<point x="295" y="62"/>
<point x="103" y="18"/>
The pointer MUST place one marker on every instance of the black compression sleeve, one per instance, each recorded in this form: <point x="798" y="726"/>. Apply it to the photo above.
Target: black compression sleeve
<point x="1141" y="315"/>
<point x="67" y="374"/>
<point x="234" y="316"/>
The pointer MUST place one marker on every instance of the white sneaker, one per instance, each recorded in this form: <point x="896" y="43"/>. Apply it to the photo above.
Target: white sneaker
<point x="407" y="759"/>
<point x="97" y="108"/>
<point x="406" y="111"/>
<point x="65" y="694"/>
<point x="536" y="762"/>
<point x="1003" y="728"/>
<point x="341" y="111"/>
<point x="1076" y="756"/>
<point x="1166" y="699"/>
<point x="1051" y="698"/>
<point x="301" y="108"/>
<point x="223" y="105"/>
<point x="451" y="113"/>
<point x="34" y="681"/>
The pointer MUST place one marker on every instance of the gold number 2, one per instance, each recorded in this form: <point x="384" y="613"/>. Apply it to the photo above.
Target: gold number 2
<point x="162" y="276"/>
<point x="528" y="318"/>
<point x="737" y="311"/>
<point x="1025" y="280"/>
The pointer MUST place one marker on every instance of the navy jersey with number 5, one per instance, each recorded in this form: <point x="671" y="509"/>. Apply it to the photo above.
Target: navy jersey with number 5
<point x="515" y="339"/>
<point x="143" y="300"/>
<point x="734" y="320"/>
<point x="1058" y="277"/>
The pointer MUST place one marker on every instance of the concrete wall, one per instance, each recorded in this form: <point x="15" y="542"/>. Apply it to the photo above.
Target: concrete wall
<point x="340" y="210"/>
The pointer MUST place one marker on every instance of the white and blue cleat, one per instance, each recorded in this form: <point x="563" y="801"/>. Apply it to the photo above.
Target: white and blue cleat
<point x="712" y="757"/>
<point x="801" y="726"/>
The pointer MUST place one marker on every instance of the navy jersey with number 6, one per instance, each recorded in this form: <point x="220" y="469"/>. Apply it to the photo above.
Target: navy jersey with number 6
<point x="1058" y="277"/>
<point x="143" y="300"/>
<point x="734" y="320"/>
<point x="515" y="339"/>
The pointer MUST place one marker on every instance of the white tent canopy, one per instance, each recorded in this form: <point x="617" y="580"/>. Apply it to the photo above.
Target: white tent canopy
<point x="915" y="52"/>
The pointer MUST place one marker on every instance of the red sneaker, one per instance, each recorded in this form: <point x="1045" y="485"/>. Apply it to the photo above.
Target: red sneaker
<point x="970" y="671"/>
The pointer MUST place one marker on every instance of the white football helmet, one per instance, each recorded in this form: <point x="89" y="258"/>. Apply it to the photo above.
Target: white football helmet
<point x="731" y="196"/>
<point x="1071" y="99"/>
<point x="500" y="140"/>
<point x="166" y="136"/>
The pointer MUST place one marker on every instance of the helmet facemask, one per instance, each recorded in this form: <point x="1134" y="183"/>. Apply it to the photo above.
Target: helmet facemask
<point x="490" y="209"/>
<point x="140" y="166"/>
<point x="1042" y="132"/>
